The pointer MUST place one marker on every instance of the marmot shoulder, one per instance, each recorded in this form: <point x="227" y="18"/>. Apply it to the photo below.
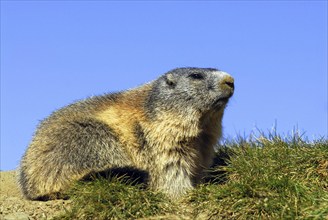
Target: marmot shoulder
<point x="166" y="128"/>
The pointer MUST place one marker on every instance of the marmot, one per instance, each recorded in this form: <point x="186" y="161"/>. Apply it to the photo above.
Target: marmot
<point x="167" y="127"/>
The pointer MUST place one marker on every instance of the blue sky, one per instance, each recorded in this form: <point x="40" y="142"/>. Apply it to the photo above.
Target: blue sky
<point x="56" y="52"/>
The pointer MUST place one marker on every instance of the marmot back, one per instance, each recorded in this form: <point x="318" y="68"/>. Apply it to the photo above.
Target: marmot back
<point x="166" y="128"/>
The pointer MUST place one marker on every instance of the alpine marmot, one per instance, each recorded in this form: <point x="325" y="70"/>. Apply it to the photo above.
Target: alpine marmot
<point x="167" y="127"/>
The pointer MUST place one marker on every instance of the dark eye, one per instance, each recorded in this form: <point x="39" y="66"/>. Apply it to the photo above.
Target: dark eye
<point x="196" y="76"/>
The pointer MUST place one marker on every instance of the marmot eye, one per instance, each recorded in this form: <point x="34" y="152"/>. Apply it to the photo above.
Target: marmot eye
<point x="196" y="76"/>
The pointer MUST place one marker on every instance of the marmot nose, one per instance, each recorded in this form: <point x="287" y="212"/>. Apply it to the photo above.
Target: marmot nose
<point x="229" y="82"/>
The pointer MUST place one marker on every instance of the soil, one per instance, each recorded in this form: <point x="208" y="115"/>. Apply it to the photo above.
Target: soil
<point x="14" y="206"/>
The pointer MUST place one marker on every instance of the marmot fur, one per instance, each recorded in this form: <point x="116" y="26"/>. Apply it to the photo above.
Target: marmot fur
<point x="167" y="127"/>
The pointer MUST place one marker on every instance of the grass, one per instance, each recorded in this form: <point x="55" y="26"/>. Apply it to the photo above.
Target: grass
<point x="269" y="178"/>
<point x="114" y="198"/>
<point x="264" y="178"/>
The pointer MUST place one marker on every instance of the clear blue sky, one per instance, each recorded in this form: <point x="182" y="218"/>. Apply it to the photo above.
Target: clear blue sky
<point x="56" y="52"/>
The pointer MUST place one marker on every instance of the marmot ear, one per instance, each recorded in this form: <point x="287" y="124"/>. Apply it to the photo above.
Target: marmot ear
<point x="170" y="80"/>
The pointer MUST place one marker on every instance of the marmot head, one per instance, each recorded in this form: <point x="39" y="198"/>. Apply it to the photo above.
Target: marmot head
<point x="186" y="90"/>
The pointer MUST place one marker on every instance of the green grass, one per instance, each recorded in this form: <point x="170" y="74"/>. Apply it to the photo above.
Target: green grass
<point x="269" y="179"/>
<point x="265" y="178"/>
<point x="114" y="198"/>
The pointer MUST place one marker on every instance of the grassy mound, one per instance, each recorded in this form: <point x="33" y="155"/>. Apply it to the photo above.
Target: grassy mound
<point x="268" y="178"/>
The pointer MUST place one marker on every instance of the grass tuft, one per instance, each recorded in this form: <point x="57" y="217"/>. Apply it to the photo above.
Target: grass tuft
<point x="269" y="178"/>
<point x="114" y="198"/>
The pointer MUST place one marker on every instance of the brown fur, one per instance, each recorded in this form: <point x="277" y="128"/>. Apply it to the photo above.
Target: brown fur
<point x="174" y="145"/>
